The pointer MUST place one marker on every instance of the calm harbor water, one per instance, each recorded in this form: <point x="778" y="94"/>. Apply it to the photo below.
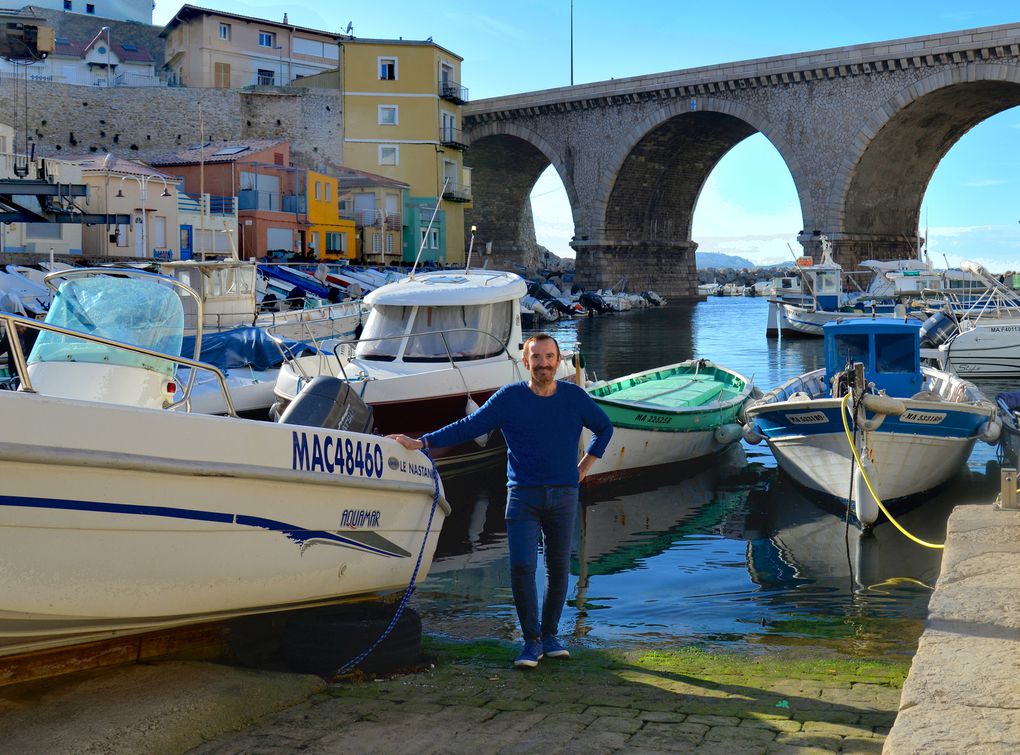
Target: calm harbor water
<point x="724" y="550"/>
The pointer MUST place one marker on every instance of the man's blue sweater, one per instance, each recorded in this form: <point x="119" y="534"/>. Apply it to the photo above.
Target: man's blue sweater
<point x="541" y="431"/>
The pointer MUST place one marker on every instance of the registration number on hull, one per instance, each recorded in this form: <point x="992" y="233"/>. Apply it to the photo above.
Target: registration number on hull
<point x="807" y="418"/>
<point x="922" y="418"/>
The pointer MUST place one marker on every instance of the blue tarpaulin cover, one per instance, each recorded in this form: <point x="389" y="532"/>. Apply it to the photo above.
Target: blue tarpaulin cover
<point x="310" y="286"/>
<point x="243" y="347"/>
<point x="1009" y="399"/>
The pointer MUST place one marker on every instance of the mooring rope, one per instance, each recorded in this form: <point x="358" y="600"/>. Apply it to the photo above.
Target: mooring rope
<point x="867" y="481"/>
<point x="353" y="663"/>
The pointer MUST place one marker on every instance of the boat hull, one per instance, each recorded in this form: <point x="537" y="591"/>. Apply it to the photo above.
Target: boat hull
<point x="906" y="455"/>
<point x="153" y="522"/>
<point x="988" y="350"/>
<point x="634" y="451"/>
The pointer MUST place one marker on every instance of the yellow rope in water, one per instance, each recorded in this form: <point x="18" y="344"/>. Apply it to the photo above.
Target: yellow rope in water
<point x="864" y="474"/>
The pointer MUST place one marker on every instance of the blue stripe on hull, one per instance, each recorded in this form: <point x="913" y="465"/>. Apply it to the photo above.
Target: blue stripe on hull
<point x="775" y="424"/>
<point x="303" y="537"/>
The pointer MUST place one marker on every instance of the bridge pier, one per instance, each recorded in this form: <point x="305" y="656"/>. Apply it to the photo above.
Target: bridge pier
<point x="667" y="270"/>
<point x="850" y="249"/>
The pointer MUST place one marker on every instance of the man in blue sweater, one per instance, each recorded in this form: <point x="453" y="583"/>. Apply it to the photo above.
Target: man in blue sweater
<point x="541" y="420"/>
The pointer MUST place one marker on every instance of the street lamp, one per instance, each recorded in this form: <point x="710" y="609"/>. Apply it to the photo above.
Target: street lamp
<point x="107" y="30"/>
<point x="143" y="181"/>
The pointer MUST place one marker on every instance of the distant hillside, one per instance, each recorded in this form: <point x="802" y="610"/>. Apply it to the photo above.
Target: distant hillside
<point x="714" y="259"/>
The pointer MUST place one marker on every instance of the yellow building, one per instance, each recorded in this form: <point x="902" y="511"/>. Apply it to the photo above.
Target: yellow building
<point x="402" y="119"/>
<point x="329" y="236"/>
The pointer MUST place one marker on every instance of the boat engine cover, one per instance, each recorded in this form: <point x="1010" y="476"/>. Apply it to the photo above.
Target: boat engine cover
<point x="329" y="402"/>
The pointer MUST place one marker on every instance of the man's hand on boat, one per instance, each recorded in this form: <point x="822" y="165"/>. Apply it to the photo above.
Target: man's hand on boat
<point x="411" y="444"/>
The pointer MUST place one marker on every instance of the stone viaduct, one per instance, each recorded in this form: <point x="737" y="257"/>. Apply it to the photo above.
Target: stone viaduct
<point x="860" y="128"/>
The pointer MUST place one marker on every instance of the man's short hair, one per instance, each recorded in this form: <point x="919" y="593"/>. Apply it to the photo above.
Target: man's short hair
<point x="541" y="337"/>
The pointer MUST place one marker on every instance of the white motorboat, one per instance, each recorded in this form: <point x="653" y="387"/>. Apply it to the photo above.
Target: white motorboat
<point x="977" y="336"/>
<point x="824" y="299"/>
<point x="228" y="293"/>
<point x="708" y="289"/>
<point x="911" y="427"/>
<point x="434" y="347"/>
<point x="121" y="513"/>
<point x="34" y="297"/>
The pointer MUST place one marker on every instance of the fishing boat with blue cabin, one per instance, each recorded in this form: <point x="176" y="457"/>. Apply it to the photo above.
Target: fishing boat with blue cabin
<point x="873" y="423"/>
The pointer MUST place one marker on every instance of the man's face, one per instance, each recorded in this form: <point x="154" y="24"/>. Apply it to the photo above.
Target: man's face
<point x="541" y="359"/>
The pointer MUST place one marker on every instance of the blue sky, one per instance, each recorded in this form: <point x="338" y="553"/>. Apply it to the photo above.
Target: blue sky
<point x="972" y="206"/>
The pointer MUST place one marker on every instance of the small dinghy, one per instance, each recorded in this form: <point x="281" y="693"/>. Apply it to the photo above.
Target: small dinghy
<point x="912" y="427"/>
<point x="669" y="414"/>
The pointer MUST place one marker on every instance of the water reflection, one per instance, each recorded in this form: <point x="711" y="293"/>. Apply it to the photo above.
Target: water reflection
<point x="726" y="549"/>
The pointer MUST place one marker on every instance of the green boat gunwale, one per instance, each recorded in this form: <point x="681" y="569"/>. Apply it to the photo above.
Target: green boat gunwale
<point x="711" y="414"/>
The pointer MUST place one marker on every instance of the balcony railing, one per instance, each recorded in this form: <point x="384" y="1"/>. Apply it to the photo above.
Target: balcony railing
<point x="216" y="205"/>
<point x="451" y="137"/>
<point x="377" y="218"/>
<point x="457" y="193"/>
<point x="273" y="201"/>
<point x="451" y="91"/>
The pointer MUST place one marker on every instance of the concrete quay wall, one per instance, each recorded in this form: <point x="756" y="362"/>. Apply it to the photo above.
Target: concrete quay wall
<point x="963" y="690"/>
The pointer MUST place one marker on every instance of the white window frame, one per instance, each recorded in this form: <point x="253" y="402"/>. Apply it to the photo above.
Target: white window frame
<point x="327" y="191"/>
<point x="395" y="109"/>
<point x="396" y="154"/>
<point x="379" y="63"/>
<point x="318" y="191"/>
<point x="271" y="36"/>
<point x="225" y="32"/>
<point x="434" y="238"/>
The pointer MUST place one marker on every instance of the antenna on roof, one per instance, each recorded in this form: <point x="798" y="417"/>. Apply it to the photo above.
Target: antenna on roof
<point x="350" y="28"/>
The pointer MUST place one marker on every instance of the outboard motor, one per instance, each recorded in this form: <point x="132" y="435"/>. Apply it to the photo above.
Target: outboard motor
<point x="593" y="302"/>
<point x="936" y="330"/>
<point x="331" y="403"/>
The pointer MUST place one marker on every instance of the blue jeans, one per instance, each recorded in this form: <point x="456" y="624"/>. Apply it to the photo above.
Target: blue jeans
<point x="531" y="512"/>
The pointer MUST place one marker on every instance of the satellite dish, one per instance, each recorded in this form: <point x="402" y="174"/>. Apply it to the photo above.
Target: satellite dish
<point x="350" y="27"/>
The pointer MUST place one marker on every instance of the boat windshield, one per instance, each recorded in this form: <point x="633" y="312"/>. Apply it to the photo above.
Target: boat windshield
<point x="852" y="347"/>
<point x="437" y="333"/>
<point x="134" y="311"/>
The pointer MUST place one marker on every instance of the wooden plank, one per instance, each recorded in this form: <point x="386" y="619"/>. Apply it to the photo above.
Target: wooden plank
<point x="202" y="641"/>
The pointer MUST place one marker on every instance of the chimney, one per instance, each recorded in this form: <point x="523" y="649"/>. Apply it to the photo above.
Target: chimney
<point x="284" y="18"/>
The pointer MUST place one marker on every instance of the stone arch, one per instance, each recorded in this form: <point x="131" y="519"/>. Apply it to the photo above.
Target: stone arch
<point x="876" y="191"/>
<point x="712" y="127"/>
<point x="506" y="160"/>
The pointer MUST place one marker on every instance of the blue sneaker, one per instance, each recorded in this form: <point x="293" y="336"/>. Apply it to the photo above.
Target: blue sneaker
<point x="553" y="648"/>
<point x="530" y="655"/>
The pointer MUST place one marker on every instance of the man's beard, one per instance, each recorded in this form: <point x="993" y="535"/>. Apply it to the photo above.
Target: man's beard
<point x="543" y="374"/>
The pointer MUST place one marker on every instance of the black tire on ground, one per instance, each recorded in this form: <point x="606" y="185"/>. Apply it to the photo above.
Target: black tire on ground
<point x="321" y="640"/>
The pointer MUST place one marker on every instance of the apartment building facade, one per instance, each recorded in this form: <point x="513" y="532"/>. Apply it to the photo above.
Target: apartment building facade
<point x="210" y="48"/>
<point x="402" y="120"/>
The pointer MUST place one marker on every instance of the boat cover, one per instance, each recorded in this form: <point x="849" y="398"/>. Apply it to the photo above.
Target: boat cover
<point x="305" y="282"/>
<point x="1009" y="400"/>
<point x="243" y="347"/>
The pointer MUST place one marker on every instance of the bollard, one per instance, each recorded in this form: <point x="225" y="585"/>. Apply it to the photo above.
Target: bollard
<point x="1007" y="491"/>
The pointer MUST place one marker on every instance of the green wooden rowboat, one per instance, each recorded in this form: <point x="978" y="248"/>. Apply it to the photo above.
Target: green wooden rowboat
<point x="669" y="414"/>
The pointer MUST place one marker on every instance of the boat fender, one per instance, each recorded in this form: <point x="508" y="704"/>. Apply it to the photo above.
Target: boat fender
<point x="470" y="408"/>
<point x="751" y="435"/>
<point x="728" y="434"/>
<point x="800" y="396"/>
<point x="883" y="404"/>
<point x="991" y="431"/>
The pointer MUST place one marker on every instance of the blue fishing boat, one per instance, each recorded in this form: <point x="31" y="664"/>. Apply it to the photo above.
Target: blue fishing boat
<point x="873" y="425"/>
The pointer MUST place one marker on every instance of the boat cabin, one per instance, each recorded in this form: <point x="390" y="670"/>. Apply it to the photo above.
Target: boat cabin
<point x="444" y="317"/>
<point x="889" y="349"/>
<point x="227" y="289"/>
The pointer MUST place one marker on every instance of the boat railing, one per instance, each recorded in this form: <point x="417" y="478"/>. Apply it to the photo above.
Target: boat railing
<point x="11" y="324"/>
